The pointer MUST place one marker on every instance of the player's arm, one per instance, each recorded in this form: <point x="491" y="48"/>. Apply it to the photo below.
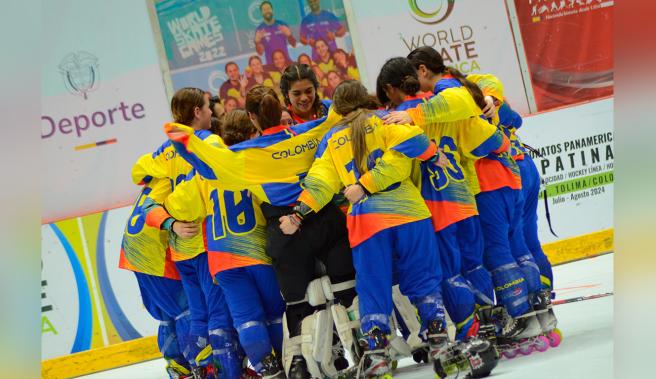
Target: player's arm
<point x="391" y="168"/>
<point x="452" y="104"/>
<point x="321" y="183"/>
<point x="480" y="138"/>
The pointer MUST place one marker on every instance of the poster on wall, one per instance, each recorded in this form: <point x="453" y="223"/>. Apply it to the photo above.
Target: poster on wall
<point x="86" y="300"/>
<point x="103" y="103"/>
<point x="227" y="47"/>
<point x="472" y="36"/>
<point x="569" y="49"/>
<point x="576" y="164"/>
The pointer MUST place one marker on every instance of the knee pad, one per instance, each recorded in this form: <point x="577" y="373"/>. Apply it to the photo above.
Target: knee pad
<point x="531" y="272"/>
<point x="226" y="352"/>
<point x="511" y="289"/>
<point x="480" y="282"/>
<point x="254" y="338"/>
<point x="167" y="340"/>
<point x="314" y="344"/>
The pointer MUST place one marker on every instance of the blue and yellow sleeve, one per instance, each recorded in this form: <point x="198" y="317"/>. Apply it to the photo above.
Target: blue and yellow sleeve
<point x="322" y="181"/>
<point x="452" y="104"/>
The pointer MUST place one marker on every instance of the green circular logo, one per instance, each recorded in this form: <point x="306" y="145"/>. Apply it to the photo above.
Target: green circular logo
<point x="432" y="17"/>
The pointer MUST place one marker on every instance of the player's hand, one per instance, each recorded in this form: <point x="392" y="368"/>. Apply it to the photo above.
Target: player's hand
<point x="287" y="226"/>
<point x="490" y="108"/>
<point x="331" y="36"/>
<point x="442" y="159"/>
<point x="354" y="193"/>
<point x="185" y="230"/>
<point x="285" y="30"/>
<point x="401" y="117"/>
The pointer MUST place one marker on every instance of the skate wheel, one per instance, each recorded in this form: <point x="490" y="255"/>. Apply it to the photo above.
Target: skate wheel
<point x="526" y="350"/>
<point x="385" y="376"/>
<point x="395" y="364"/>
<point x="510" y="354"/>
<point x="555" y="337"/>
<point x="542" y="344"/>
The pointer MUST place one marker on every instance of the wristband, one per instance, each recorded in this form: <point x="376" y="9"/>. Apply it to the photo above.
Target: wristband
<point x="295" y="219"/>
<point x="168" y="224"/>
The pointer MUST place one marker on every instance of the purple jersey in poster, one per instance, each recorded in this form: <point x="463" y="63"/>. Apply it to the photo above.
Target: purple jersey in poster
<point x="318" y="26"/>
<point x="273" y="40"/>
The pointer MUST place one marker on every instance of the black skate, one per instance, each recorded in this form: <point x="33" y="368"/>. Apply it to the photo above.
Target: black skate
<point x="205" y="372"/>
<point x="299" y="368"/>
<point x="339" y="354"/>
<point x="271" y="368"/>
<point x="374" y="364"/>
<point x="547" y="319"/>
<point x="177" y="370"/>
<point x="486" y="327"/>
<point x="420" y="355"/>
<point x="475" y="358"/>
<point x="520" y="335"/>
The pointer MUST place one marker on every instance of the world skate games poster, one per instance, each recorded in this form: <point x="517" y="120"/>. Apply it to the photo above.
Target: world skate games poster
<point x="473" y="36"/>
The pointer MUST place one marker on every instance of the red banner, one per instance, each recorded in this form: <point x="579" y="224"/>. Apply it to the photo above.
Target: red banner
<point x="569" y="49"/>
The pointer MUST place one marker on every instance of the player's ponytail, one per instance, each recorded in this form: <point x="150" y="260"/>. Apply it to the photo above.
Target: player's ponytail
<point x="473" y="89"/>
<point x="352" y="101"/>
<point x="397" y="73"/>
<point x="263" y="102"/>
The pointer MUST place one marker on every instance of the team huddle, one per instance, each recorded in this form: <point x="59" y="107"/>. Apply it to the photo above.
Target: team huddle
<point x="329" y="239"/>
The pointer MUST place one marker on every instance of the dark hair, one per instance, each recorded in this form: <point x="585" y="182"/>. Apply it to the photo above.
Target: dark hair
<point x="183" y="103"/>
<point x="298" y="60"/>
<point x="398" y="73"/>
<point x="215" y="125"/>
<point x="433" y="61"/>
<point x="352" y="101"/>
<point x="295" y="72"/>
<point x="264" y="104"/>
<point x="265" y="2"/>
<point x="254" y="57"/>
<point x="213" y="101"/>
<point x="237" y="127"/>
<point x="225" y="68"/>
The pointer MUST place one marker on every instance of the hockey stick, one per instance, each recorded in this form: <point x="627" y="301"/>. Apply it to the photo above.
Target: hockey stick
<point x="581" y="298"/>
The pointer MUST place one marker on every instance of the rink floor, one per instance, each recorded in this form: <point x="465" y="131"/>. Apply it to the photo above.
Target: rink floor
<point x="587" y="327"/>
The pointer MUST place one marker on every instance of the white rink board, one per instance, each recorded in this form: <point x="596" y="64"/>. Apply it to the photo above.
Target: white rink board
<point x="589" y="209"/>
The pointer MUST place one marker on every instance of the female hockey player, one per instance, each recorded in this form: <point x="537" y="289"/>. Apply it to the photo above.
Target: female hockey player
<point x="209" y="314"/>
<point x="235" y="233"/>
<point x="495" y="182"/>
<point x="510" y="121"/>
<point x="145" y="251"/>
<point x="299" y="86"/>
<point x="389" y="225"/>
<point x="445" y="191"/>
<point x="272" y="166"/>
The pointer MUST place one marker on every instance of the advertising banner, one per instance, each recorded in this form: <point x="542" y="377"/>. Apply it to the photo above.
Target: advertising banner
<point x="103" y="104"/>
<point x="473" y="37"/>
<point x="86" y="300"/>
<point x="569" y="49"/>
<point x="226" y="47"/>
<point x="575" y="156"/>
